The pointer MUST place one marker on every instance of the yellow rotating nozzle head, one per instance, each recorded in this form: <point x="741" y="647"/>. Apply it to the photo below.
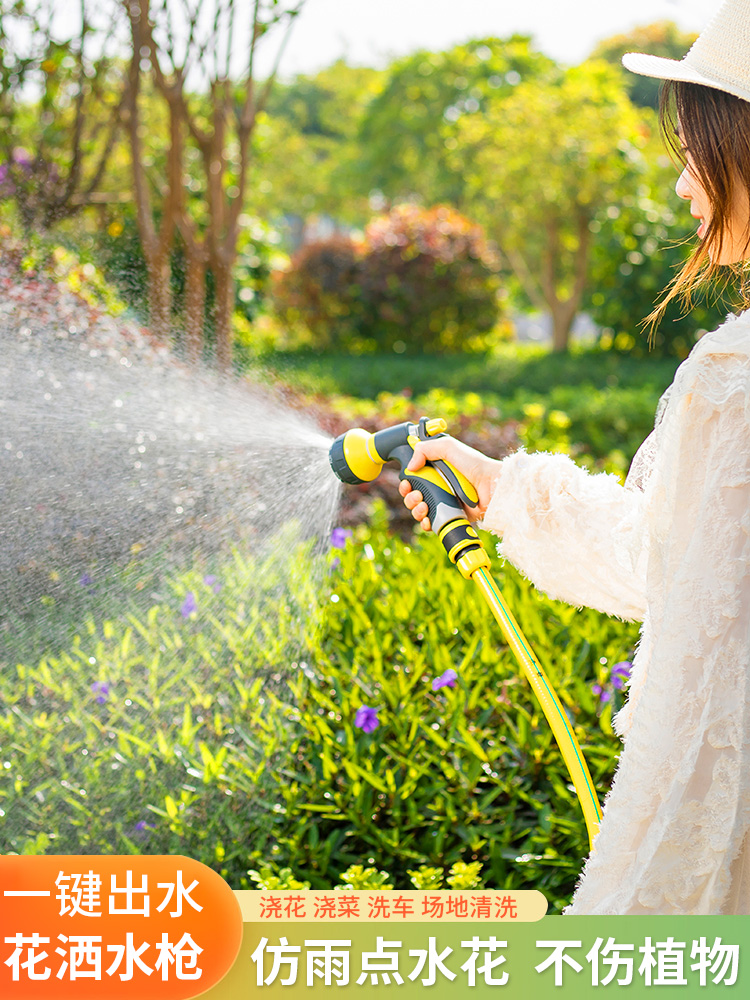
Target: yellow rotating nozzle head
<point x="353" y="457"/>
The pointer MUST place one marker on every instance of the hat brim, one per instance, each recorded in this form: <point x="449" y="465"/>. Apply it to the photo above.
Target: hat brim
<point x="680" y="70"/>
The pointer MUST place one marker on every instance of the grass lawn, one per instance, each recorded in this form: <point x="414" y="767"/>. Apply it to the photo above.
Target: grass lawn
<point x="513" y="368"/>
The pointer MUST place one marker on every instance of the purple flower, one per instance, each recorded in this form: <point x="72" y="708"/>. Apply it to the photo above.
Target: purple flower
<point x="335" y="563"/>
<point x="189" y="605"/>
<point x="101" y="690"/>
<point x="142" y="830"/>
<point x="447" y="679"/>
<point x="621" y="674"/>
<point x="212" y="581"/>
<point x="21" y="156"/>
<point x="86" y="580"/>
<point x="366" y="719"/>
<point x="604" y="696"/>
<point x="339" y="537"/>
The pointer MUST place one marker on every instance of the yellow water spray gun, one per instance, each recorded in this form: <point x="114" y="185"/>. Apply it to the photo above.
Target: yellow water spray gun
<point x="358" y="456"/>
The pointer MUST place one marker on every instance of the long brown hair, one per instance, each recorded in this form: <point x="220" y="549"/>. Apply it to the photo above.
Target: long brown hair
<point x="715" y="128"/>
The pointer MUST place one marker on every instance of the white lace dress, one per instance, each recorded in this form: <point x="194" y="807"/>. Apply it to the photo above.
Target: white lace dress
<point x="670" y="548"/>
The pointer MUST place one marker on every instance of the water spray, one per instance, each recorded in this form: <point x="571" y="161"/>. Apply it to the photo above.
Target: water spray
<point x="358" y="456"/>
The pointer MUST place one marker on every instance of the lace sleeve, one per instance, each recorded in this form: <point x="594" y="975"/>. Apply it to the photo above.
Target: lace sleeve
<point x="579" y="537"/>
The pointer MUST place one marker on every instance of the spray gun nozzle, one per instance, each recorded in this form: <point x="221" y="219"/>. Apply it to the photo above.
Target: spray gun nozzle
<point x="358" y="457"/>
<point x="352" y="459"/>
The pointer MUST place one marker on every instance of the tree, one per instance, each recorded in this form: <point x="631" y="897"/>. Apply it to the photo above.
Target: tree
<point x="539" y="166"/>
<point x="663" y="38"/>
<point x="410" y="129"/>
<point x="54" y="150"/>
<point x="306" y="152"/>
<point x="190" y="40"/>
<point x="156" y="231"/>
<point x="639" y="244"/>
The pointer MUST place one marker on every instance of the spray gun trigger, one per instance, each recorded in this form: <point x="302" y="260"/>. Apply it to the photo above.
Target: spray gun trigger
<point x="431" y="428"/>
<point x="460" y="485"/>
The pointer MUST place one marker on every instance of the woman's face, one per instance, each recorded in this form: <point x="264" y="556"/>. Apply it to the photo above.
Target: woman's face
<point x="735" y="246"/>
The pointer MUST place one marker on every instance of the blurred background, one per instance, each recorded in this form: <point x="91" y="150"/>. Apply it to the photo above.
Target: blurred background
<point x="224" y="178"/>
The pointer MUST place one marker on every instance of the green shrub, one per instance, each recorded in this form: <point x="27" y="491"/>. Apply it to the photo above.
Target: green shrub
<point x="320" y="291"/>
<point x="460" y="876"/>
<point x="120" y="254"/>
<point x="205" y="735"/>
<point x="637" y="251"/>
<point x="422" y="281"/>
<point x="53" y="258"/>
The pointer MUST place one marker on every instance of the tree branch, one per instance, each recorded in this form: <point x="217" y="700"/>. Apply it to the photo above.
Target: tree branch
<point x="525" y="276"/>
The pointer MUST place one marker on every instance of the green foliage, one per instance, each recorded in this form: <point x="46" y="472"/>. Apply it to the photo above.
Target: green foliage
<point x="602" y="428"/>
<point x="463" y="876"/>
<point x="423" y="281"/>
<point x="258" y="255"/>
<point x="540" y="165"/>
<point x="357" y="877"/>
<point x="639" y="244"/>
<point x="319" y="291"/>
<point x="662" y="38"/>
<point x="266" y="878"/>
<point x="591" y="401"/>
<point x="306" y="153"/>
<point x="408" y="131"/>
<point x="55" y="146"/>
<point x="49" y="257"/>
<point x="120" y="256"/>
<point x="162" y="734"/>
<point x="460" y="876"/>
<point x="511" y="368"/>
<point x="426" y="877"/>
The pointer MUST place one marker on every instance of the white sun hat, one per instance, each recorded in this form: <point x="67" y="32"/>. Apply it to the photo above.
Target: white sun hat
<point x="719" y="58"/>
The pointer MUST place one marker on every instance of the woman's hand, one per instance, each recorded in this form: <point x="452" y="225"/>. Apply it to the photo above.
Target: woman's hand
<point x="481" y="471"/>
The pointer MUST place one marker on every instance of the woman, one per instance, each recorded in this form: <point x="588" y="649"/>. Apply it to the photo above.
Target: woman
<point x="670" y="548"/>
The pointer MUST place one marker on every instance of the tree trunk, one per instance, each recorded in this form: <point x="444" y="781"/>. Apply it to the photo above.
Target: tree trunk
<point x="156" y="245"/>
<point x="562" y="321"/>
<point x="195" y="303"/>
<point x="223" y="309"/>
<point x="564" y="311"/>
<point x="159" y="295"/>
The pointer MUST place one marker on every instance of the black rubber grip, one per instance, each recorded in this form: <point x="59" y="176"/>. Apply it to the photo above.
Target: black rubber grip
<point x="433" y="495"/>
<point x="339" y="463"/>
